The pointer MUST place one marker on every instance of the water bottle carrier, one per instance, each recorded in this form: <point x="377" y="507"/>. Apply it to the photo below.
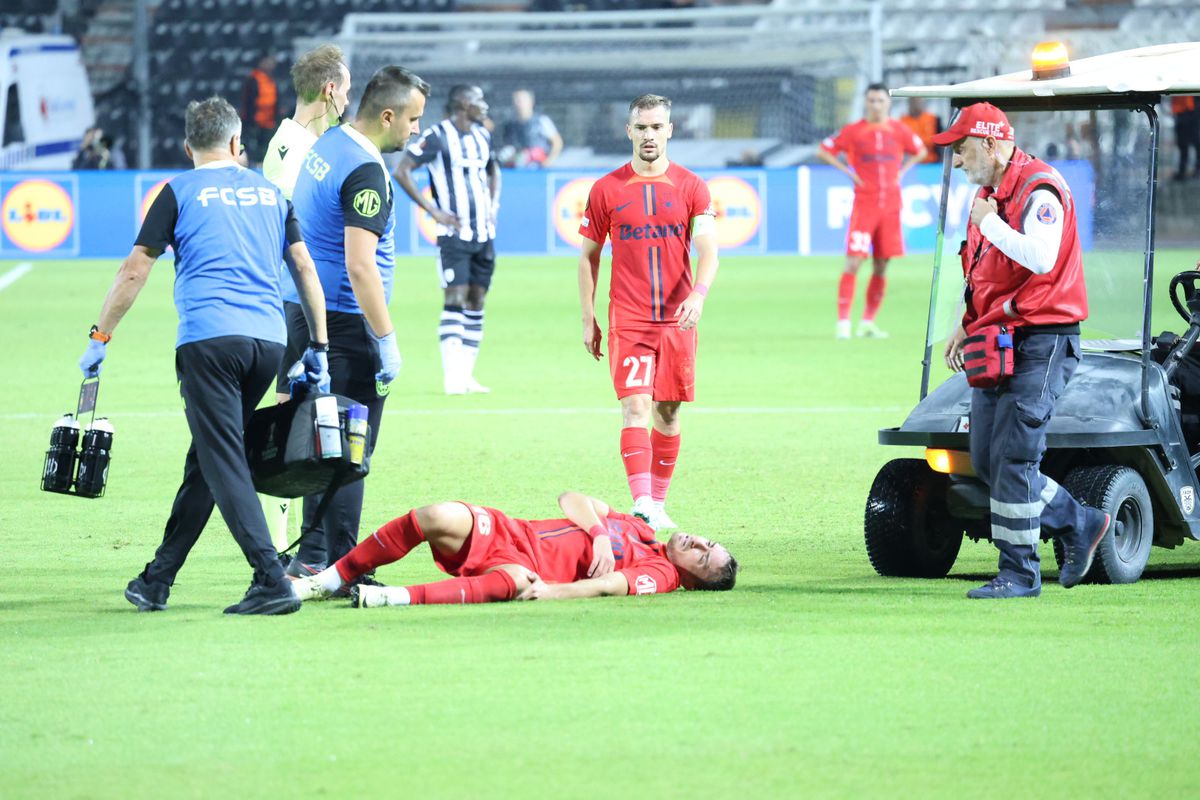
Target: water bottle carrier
<point x="77" y="461"/>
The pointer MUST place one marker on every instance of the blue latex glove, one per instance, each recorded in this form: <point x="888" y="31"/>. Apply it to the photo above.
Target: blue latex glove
<point x="389" y="358"/>
<point x="312" y="369"/>
<point x="92" y="357"/>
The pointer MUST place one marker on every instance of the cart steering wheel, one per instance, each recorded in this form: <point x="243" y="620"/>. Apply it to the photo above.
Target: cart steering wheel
<point x="1190" y="304"/>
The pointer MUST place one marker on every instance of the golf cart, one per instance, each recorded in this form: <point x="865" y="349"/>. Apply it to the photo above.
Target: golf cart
<point x="1125" y="435"/>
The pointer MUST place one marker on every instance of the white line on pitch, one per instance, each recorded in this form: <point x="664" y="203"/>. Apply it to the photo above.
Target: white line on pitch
<point x="504" y="412"/>
<point x="14" y="275"/>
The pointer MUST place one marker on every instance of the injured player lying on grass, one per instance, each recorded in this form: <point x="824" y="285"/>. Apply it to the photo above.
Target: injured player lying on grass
<point x="592" y="552"/>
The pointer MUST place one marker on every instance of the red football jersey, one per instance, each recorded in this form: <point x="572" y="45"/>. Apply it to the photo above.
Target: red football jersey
<point x="650" y="223"/>
<point x="875" y="153"/>
<point x="563" y="553"/>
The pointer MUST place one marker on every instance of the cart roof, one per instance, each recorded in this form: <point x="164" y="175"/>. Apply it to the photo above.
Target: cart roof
<point x="1158" y="69"/>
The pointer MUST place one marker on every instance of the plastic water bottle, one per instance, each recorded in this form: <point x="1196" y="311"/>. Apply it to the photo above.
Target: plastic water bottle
<point x="58" y="473"/>
<point x="94" y="459"/>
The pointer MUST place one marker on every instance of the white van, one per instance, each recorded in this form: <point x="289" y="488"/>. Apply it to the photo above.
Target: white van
<point x="45" y="101"/>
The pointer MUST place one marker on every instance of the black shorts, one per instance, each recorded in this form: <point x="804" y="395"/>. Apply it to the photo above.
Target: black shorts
<point x="465" y="263"/>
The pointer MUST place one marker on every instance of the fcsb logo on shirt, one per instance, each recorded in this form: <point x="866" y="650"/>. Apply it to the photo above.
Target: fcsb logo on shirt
<point x="38" y="215"/>
<point x="242" y="196"/>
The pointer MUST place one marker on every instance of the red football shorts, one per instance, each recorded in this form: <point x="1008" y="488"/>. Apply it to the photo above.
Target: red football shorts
<point x="874" y="231"/>
<point x="659" y="361"/>
<point x="495" y="539"/>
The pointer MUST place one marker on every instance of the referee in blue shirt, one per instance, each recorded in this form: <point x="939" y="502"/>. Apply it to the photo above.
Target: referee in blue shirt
<point x="344" y="201"/>
<point x="228" y="227"/>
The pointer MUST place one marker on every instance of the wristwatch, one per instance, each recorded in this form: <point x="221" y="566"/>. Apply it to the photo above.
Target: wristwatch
<point x="99" y="335"/>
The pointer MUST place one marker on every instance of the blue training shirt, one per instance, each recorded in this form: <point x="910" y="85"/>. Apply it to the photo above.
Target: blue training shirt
<point x="229" y="227"/>
<point x="344" y="183"/>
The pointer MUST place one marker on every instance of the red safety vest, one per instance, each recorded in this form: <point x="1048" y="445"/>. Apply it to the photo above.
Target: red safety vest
<point x="1001" y="291"/>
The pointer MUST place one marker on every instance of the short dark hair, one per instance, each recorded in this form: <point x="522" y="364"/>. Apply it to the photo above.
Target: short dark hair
<point x="457" y="92"/>
<point x="723" y="581"/>
<point x="210" y="123"/>
<point x="316" y="68"/>
<point x="649" y="101"/>
<point x="389" y="87"/>
<point x="877" y="87"/>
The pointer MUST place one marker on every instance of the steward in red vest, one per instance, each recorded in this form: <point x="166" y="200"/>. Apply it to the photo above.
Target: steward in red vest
<point x="1019" y="345"/>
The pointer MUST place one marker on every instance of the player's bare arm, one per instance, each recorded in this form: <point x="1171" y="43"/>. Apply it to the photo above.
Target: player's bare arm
<point x="131" y="277"/>
<point x="409" y="185"/>
<point x="589" y="513"/>
<point x="589" y="273"/>
<point x="609" y="585"/>
<point x="365" y="279"/>
<point x="835" y="162"/>
<point x="911" y="161"/>
<point x="308" y="286"/>
<point x="704" y="239"/>
<point x="494" y="182"/>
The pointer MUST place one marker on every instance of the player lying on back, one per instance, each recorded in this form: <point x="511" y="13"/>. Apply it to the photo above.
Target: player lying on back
<point x="592" y="552"/>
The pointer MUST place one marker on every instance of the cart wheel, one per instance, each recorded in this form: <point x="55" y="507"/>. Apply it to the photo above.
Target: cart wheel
<point x="908" y="530"/>
<point x="1122" y="493"/>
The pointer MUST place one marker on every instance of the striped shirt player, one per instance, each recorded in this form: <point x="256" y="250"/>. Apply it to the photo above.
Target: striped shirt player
<point x="464" y="179"/>
<point x="879" y="151"/>
<point x="654" y="212"/>
<point x="590" y="551"/>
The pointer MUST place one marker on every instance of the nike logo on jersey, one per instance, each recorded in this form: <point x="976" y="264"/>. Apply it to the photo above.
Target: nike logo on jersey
<point x="283" y="150"/>
<point x="618" y="208"/>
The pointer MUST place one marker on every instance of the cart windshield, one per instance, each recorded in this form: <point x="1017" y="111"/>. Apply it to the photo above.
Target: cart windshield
<point x="1105" y="157"/>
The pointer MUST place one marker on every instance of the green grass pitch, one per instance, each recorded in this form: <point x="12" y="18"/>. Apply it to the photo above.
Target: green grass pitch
<point x="814" y="678"/>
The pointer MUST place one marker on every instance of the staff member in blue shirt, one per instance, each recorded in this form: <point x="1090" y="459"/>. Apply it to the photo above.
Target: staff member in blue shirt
<point x="229" y="227"/>
<point x="343" y="199"/>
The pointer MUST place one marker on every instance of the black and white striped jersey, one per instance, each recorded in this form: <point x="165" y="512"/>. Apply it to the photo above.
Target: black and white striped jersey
<point x="458" y="165"/>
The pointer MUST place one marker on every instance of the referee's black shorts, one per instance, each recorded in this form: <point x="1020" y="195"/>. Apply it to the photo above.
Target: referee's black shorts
<point x="462" y="263"/>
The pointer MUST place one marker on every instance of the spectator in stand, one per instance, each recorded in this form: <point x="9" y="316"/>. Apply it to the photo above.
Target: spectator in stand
<point x="93" y="152"/>
<point x="530" y="139"/>
<point x="1187" y="132"/>
<point x="260" y="109"/>
<point x="925" y="124"/>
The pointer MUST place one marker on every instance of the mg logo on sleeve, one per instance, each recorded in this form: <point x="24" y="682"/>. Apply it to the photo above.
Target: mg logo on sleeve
<point x="367" y="202"/>
<point x="645" y="585"/>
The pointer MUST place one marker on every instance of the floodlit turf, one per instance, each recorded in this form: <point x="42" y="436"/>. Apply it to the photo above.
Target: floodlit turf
<point x="814" y="677"/>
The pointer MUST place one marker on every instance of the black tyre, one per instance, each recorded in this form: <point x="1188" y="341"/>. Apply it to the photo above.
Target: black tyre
<point x="1122" y="493"/>
<point x="908" y="530"/>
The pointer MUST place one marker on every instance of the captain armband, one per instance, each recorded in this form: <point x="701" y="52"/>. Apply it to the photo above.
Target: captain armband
<point x="704" y="224"/>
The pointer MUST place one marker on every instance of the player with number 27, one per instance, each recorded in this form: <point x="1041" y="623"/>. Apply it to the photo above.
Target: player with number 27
<point x="654" y="212"/>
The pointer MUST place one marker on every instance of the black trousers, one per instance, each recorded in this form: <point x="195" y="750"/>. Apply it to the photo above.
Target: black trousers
<point x="222" y="380"/>
<point x="353" y="362"/>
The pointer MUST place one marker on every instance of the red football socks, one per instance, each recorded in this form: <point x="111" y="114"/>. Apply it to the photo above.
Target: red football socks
<point x="845" y="295"/>
<point x="390" y="543"/>
<point x="875" y="289"/>
<point x="492" y="587"/>
<point x="636" y="454"/>
<point x="665" y="451"/>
